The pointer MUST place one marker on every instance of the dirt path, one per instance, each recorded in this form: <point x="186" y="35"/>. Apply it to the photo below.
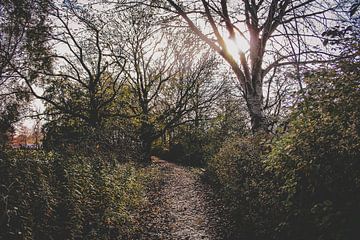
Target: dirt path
<point x="183" y="207"/>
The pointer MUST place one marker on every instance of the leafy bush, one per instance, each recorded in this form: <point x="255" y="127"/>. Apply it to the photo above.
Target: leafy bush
<point x="9" y="114"/>
<point x="117" y="142"/>
<point x="188" y="146"/>
<point x="26" y="197"/>
<point x="45" y="196"/>
<point x="251" y="191"/>
<point x="195" y="145"/>
<point x="317" y="161"/>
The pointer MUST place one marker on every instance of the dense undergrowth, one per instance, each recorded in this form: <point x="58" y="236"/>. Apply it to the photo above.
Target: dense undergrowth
<point x="305" y="183"/>
<point x="250" y="192"/>
<point x="48" y="196"/>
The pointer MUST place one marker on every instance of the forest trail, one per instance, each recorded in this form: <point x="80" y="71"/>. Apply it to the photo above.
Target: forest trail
<point x="183" y="207"/>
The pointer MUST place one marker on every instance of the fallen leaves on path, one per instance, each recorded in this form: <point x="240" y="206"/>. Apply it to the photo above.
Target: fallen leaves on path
<point x="181" y="206"/>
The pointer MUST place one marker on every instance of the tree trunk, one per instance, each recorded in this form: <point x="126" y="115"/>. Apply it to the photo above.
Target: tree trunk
<point x="254" y="100"/>
<point x="146" y="146"/>
<point x="147" y="138"/>
<point x="258" y="119"/>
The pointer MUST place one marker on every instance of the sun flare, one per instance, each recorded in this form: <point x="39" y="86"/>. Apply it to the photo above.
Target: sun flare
<point x="236" y="45"/>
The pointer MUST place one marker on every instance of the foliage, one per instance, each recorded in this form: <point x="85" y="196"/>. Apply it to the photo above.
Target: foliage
<point x="317" y="161"/>
<point x="23" y="30"/>
<point x="47" y="196"/>
<point x="196" y="142"/>
<point x="252" y="193"/>
<point x="22" y="33"/>
<point x="115" y="139"/>
<point x="188" y="146"/>
<point x="8" y="115"/>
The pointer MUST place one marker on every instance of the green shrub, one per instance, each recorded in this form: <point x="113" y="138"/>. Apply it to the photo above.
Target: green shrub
<point x="188" y="147"/>
<point x="250" y="190"/>
<point x="27" y="200"/>
<point x="196" y="145"/>
<point x="115" y="143"/>
<point x="318" y="160"/>
<point x="46" y="196"/>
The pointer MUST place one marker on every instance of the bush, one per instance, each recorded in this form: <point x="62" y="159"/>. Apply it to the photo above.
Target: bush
<point x="26" y="197"/>
<point x="46" y="196"/>
<point x="251" y="191"/>
<point x="318" y="163"/>
<point x="116" y="143"/>
<point x="195" y="146"/>
<point x="189" y="147"/>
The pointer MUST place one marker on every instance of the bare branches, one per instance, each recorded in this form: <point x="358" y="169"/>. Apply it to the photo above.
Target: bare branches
<point x="196" y="30"/>
<point x="295" y="18"/>
<point x="86" y="78"/>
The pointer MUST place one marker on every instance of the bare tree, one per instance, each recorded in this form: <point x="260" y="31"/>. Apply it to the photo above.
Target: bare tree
<point x="278" y="33"/>
<point x="167" y="81"/>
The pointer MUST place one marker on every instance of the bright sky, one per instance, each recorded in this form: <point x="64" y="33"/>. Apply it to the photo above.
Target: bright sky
<point x="240" y="44"/>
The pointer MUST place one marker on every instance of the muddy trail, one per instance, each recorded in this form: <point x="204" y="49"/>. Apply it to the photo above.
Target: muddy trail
<point x="184" y="207"/>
